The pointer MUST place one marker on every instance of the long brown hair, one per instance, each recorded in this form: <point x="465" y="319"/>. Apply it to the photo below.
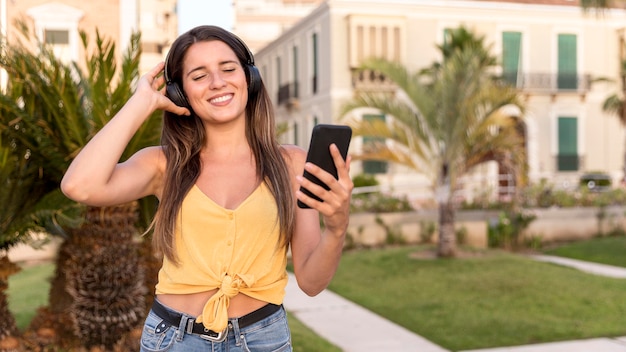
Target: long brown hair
<point x="182" y="139"/>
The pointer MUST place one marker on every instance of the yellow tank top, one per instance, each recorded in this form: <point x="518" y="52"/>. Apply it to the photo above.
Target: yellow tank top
<point x="234" y="251"/>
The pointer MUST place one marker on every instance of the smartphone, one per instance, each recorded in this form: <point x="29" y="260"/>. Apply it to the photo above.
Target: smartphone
<point x="319" y="153"/>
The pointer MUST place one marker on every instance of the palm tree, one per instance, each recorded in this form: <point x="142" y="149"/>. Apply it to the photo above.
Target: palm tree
<point x="14" y="199"/>
<point x="31" y="201"/>
<point x="616" y="103"/>
<point x="443" y="122"/>
<point x="50" y="110"/>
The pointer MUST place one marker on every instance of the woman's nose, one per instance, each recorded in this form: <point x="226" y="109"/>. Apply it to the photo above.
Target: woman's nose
<point x="217" y="81"/>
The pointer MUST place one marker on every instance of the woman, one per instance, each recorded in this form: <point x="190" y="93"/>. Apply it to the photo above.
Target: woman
<point x="227" y="199"/>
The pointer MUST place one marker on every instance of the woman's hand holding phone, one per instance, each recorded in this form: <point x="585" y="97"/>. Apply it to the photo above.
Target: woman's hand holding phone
<point x="326" y="185"/>
<point x="334" y="201"/>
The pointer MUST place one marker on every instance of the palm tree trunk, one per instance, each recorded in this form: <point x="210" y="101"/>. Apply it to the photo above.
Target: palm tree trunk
<point x="8" y="327"/>
<point x="99" y="281"/>
<point x="447" y="239"/>
<point x="104" y="277"/>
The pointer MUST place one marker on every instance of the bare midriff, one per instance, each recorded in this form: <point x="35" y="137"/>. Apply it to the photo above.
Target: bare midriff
<point x="193" y="303"/>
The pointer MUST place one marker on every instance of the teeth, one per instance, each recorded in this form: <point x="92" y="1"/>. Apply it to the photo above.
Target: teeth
<point x="221" y="99"/>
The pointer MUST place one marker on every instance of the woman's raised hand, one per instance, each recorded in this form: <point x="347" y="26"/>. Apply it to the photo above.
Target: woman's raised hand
<point x="335" y="207"/>
<point x="152" y="86"/>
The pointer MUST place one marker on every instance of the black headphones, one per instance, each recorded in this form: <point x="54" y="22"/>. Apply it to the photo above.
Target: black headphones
<point x="176" y="95"/>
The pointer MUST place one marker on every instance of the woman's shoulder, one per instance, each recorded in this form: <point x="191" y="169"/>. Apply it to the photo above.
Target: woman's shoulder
<point x="294" y="152"/>
<point x="151" y="157"/>
<point x="294" y="155"/>
<point x="153" y="152"/>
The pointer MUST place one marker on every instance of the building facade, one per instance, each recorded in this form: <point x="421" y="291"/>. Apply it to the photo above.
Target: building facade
<point x="308" y="50"/>
<point x="259" y="22"/>
<point x="58" y="23"/>
<point x="551" y="50"/>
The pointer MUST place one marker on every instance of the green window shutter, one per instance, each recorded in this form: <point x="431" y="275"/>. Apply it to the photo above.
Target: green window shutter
<point x="568" y="144"/>
<point x="447" y="33"/>
<point x="568" y="62"/>
<point x="374" y="166"/>
<point x="511" y="49"/>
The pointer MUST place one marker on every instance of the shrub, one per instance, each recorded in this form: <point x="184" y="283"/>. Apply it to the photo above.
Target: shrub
<point x="506" y="232"/>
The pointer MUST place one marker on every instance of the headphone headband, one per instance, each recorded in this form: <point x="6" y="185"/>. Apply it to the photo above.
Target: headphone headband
<point x="248" y="53"/>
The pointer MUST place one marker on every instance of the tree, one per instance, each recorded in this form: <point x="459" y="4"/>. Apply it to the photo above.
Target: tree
<point x="49" y="111"/>
<point x="443" y="122"/>
<point x="616" y="103"/>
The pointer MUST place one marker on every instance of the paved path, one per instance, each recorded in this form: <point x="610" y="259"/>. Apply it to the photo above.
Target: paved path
<point x="592" y="268"/>
<point x="355" y="329"/>
<point x="349" y="326"/>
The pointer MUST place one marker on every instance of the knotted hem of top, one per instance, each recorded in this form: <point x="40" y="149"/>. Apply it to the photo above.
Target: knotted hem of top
<point x="215" y="312"/>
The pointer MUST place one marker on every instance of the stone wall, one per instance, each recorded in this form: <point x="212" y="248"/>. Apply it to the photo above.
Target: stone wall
<point x="550" y="225"/>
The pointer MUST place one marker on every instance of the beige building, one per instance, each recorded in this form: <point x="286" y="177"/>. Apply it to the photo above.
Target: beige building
<point x="59" y="22"/>
<point x="259" y="22"/>
<point x="158" y="23"/>
<point x="550" y="49"/>
<point x="307" y="51"/>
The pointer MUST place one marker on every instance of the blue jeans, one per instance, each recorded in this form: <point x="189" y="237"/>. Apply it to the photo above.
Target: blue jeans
<point x="270" y="334"/>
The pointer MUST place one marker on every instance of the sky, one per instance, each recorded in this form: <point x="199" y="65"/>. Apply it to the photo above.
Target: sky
<point x="192" y="13"/>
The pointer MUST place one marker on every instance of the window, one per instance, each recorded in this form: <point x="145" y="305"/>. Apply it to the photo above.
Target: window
<point x="315" y="64"/>
<point x="360" y="52"/>
<point x="57" y="26"/>
<point x="279" y="78"/>
<point x="295" y="133"/>
<point x="59" y="41"/>
<point x="56" y="37"/>
<point x="567" y="158"/>
<point x="447" y="37"/>
<point x="511" y="50"/>
<point x="396" y="44"/>
<point x="376" y="36"/>
<point x="567" y="64"/>
<point x="373" y="166"/>
<point x="294" y="92"/>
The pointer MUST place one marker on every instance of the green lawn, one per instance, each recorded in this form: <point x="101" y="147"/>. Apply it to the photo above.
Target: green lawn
<point x="492" y="299"/>
<point x="605" y="250"/>
<point x="28" y="290"/>
<point x="498" y="299"/>
<point x="305" y="340"/>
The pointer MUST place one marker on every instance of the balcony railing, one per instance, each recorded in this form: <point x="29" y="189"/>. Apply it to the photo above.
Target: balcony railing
<point x="549" y="82"/>
<point x="287" y="92"/>
<point x="370" y="80"/>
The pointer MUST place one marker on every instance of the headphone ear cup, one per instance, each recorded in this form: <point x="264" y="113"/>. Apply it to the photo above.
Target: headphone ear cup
<point x="254" y="80"/>
<point x="174" y="93"/>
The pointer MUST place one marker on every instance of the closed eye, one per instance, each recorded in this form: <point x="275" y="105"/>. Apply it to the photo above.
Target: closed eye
<point x="197" y="78"/>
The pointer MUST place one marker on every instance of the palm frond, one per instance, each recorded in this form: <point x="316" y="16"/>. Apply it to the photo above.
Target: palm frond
<point x="48" y="112"/>
<point x="453" y="115"/>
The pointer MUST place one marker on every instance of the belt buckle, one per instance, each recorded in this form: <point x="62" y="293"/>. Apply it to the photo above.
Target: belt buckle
<point x="221" y="336"/>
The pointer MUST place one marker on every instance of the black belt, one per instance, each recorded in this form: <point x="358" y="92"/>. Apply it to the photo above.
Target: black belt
<point x="173" y="319"/>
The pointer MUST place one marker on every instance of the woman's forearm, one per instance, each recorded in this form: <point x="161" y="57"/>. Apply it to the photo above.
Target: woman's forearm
<point x="318" y="270"/>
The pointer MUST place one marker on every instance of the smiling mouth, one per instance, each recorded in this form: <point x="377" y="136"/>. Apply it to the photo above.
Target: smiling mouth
<point x="221" y="99"/>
